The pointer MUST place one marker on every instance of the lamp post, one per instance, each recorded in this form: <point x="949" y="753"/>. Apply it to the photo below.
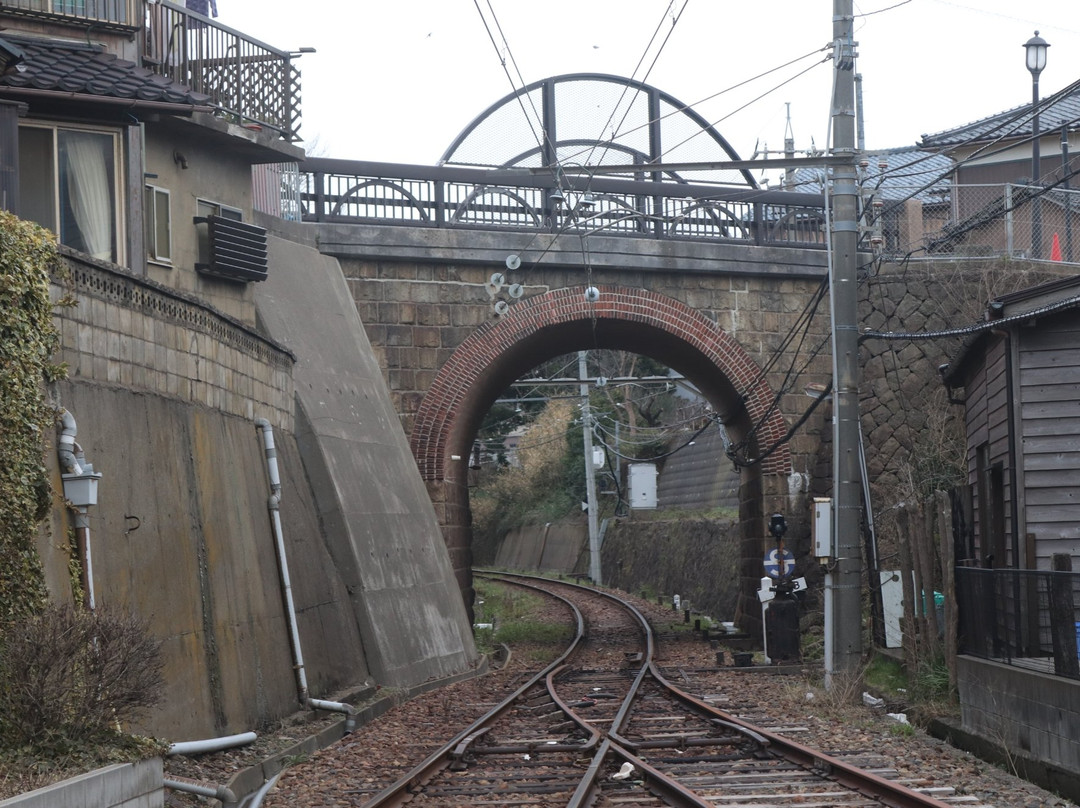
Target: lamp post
<point x="1035" y="50"/>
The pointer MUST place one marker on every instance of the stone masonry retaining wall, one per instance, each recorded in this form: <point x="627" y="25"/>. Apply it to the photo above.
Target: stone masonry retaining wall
<point x="131" y="332"/>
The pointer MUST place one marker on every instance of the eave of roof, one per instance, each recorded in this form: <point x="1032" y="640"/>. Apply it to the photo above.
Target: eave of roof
<point x="1013" y="123"/>
<point x="1006" y="311"/>
<point x="53" y="68"/>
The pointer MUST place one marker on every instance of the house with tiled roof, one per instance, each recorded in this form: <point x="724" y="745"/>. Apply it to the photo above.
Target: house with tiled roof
<point x="999" y="207"/>
<point x="130" y="131"/>
<point x="152" y="141"/>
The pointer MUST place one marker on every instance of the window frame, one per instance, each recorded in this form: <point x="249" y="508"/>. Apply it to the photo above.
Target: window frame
<point x="118" y="189"/>
<point x="150" y="221"/>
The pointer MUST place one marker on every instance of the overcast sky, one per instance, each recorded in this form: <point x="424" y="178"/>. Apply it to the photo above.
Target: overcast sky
<point x="397" y="80"/>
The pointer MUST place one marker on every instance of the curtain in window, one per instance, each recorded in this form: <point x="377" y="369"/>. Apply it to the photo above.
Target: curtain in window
<point x="86" y="192"/>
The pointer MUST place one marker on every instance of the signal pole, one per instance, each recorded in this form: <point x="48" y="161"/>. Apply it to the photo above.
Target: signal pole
<point x="844" y="583"/>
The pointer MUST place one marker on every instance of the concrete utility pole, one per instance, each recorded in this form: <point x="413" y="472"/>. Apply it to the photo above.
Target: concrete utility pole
<point x="844" y="649"/>
<point x="590" y="471"/>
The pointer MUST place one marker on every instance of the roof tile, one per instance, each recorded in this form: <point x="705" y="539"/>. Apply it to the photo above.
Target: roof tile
<point x="73" y="67"/>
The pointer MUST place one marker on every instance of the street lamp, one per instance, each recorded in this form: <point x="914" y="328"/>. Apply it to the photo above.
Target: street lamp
<point x="1035" y="50"/>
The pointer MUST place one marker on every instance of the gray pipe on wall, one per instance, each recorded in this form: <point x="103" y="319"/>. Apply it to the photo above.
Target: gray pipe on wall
<point x="274" y="506"/>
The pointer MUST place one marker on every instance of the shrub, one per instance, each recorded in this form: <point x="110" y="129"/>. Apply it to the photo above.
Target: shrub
<point x="69" y="676"/>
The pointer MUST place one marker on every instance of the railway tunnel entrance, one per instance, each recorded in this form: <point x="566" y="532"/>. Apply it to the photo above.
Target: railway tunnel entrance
<point x="566" y="320"/>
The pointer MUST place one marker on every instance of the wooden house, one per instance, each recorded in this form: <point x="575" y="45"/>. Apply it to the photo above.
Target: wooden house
<point x="1018" y="568"/>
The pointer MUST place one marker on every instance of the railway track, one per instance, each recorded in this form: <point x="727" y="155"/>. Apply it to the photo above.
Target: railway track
<point x="603" y="726"/>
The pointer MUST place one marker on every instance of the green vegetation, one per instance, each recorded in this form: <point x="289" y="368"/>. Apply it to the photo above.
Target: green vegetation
<point x="885" y="676"/>
<point x="545" y="487"/>
<point x="511" y="612"/>
<point x="68" y="677"/>
<point x="28" y="340"/>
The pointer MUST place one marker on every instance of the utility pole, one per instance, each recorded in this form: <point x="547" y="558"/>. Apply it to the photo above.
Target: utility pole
<point x="843" y="651"/>
<point x="590" y="470"/>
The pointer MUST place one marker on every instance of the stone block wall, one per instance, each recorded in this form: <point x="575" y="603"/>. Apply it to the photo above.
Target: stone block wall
<point x="130" y="332"/>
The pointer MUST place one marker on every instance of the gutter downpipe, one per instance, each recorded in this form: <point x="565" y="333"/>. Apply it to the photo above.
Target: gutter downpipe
<point x="71" y="459"/>
<point x="274" y="506"/>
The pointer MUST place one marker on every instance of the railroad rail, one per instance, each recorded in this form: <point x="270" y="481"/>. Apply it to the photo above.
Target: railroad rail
<point x="602" y="726"/>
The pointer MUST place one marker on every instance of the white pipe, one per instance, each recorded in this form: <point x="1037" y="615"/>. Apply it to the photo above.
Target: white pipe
<point x="66" y="446"/>
<point x="82" y="534"/>
<point x="336" y="707"/>
<point x="274" y="505"/>
<point x="255" y="801"/>
<point x="211" y="744"/>
<point x="223" y="793"/>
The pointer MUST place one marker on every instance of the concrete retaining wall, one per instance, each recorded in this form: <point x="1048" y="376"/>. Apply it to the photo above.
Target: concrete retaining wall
<point x="125" y="785"/>
<point x="1031" y="714"/>
<point x="165" y="391"/>
<point x="554" y="547"/>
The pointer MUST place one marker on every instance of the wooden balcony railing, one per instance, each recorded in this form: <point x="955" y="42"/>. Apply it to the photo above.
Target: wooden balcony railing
<point x="254" y="82"/>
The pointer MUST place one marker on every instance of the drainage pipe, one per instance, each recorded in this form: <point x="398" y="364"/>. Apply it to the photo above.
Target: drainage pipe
<point x="223" y="793"/>
<point x="274" y="506"/>
<point x="256" y="799"/>
<point x="67" y="447"/>
<point x="211" y="744"/>
<point x="69" y="454"/>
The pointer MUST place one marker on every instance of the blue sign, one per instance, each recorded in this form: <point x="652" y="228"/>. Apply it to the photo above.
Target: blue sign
<point x="779" y="565"/>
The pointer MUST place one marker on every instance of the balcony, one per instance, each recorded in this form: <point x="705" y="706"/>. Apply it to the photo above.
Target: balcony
<point x="251" y="81"/>
<point x="120" y="14"/>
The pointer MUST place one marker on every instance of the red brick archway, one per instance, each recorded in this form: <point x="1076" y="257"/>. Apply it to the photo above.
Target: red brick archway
<point x="561" y="321"/>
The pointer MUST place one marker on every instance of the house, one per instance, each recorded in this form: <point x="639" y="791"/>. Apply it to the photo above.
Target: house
<point x="998" y="208"/>
<point x="905" y="197"/>
<point x="123" y="129"/>
<point x="137" y="131"/>
<point x="1018" y="568"/>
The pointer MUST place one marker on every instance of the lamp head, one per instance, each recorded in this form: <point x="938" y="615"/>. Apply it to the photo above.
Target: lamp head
<point x="1035" y="50"/>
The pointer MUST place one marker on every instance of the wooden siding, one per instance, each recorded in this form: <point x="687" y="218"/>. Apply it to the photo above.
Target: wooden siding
<point x="1049" y="359"/>
<point x="987" y="416"/>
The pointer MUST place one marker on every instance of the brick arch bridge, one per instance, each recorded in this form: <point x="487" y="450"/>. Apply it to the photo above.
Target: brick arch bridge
<point x="709" y="298"/>
<point x="562" y="321"/>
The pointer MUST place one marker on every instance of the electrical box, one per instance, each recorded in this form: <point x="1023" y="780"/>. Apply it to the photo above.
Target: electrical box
<point x="821" y="528"/>
<point x="642" y="485"/>
<point x="599" y="459"/>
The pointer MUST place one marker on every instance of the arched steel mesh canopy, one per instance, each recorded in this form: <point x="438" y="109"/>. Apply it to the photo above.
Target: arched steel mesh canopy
<point x="587" y="119"/>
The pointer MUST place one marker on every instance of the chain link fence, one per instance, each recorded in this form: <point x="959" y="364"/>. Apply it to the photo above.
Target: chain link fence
<point x="993" y="220"/>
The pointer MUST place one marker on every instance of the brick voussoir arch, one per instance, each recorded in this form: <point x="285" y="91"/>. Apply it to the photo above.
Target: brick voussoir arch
<point x="435" y="418"/>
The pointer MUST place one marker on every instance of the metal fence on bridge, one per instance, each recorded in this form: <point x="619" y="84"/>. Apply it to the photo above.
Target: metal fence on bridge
<point x="343" y="191"/>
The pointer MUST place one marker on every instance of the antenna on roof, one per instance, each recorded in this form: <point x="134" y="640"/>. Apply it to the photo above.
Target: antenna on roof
<point x="789" y="151"/>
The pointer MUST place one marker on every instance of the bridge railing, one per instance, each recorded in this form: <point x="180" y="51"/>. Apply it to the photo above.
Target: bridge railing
<point x="357" y="192"/>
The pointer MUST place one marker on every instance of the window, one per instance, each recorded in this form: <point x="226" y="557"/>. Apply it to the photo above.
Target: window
<point x="157" y="219"/>
<point x="68" y="183"/>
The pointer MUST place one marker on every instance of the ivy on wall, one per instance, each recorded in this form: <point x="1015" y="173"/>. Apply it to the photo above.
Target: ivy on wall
<point x="28" y="340"/>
